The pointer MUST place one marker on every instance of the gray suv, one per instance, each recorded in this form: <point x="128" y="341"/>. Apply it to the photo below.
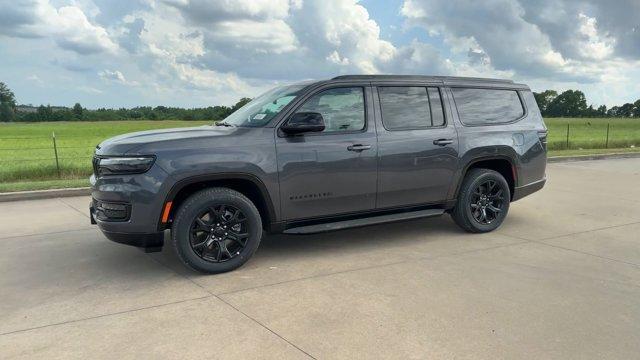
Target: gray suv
<point x="319" y="156"/>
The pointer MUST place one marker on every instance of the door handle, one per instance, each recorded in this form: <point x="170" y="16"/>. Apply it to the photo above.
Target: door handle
<point x="443" y="142"/>
<point x="358" y="147"/>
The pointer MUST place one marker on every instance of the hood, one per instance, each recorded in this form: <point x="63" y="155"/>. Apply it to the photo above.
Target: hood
<point x="122" y="144"/>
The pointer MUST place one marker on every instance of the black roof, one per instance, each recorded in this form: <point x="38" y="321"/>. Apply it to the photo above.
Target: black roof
<point x="440" y="79"/>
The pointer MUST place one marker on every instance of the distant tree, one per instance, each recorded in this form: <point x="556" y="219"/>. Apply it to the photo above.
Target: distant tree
<point x="626" y="110"/>
<point x="77" y="111"/>
<point x="545" y="98"/>
<point x="636" y="108"/>
<point x="7" y="96"/>
<point x="571" y="103"/>
<point x="45" y="113"/>
<point x="602" y="110"/>
<point x="240" y="104"/>
<point x="6" y="112"/>
<point x="613" y="112"/>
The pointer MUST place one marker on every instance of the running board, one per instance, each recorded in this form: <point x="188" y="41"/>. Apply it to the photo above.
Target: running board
<point x="380" y="219"/>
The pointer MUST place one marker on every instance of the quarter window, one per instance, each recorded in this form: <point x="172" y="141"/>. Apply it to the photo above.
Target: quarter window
<point x="487" y="106"/>
<point x="342" y="109"/>
<point x="410" y="107"/>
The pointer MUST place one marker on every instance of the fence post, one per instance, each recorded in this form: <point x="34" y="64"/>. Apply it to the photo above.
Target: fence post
<point x="567" y="145"/>
<point x="606" y="145"/>
<point x="55" y="151"/>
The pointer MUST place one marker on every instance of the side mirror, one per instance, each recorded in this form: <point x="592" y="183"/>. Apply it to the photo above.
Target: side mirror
<point x="303" y="122"/>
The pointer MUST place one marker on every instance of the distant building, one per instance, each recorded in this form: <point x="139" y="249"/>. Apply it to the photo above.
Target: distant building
<point x="33" y="109"/>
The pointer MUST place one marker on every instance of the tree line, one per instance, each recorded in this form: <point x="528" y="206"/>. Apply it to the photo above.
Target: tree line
<point x="10" y="111"/>
<point x="570" y="103"/>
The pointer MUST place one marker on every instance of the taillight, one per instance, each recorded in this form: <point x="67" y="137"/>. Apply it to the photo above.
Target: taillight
<point x="542" y="135"/>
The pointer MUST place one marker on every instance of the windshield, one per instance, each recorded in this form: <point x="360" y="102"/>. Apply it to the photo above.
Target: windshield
<point x="259" y="111"/>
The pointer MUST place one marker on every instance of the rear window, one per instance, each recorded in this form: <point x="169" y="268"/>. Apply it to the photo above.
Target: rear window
<point x="487" y="106"/>
<point x="410" y="107"/>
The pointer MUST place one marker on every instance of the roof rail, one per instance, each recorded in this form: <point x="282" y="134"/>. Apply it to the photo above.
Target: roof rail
<point x="419" y="77"/>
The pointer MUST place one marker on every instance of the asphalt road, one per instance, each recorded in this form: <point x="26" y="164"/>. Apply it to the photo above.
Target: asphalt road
<point x="560" y="279"/>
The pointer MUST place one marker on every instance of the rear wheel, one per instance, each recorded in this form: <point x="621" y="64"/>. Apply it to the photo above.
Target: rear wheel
<point x="483" y="201"/>
<point x="216" y="230"/>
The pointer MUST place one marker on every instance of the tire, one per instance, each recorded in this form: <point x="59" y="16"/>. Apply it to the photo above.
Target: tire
<point x="206" y="250"/>
<point x="474" y="182"/>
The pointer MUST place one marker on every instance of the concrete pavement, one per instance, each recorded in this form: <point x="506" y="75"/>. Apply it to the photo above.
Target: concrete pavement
<point x="559" y="279"/>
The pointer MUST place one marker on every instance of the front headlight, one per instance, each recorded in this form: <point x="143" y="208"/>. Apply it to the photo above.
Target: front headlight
<point x="121" y="165"/>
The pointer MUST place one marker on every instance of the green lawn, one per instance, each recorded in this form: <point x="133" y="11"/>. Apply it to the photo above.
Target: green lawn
<point x="591" y="133"/>
<point x="26" y="150"/>
<point x="27" y="158"/>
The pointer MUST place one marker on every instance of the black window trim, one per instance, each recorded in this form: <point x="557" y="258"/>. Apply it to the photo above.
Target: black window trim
<point x="363" y="87"/>
<point x="426" y="87"/>
<point x="525" y="111"/>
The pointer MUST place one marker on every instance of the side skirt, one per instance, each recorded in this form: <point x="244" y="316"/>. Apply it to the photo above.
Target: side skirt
<point x="364" y="221"/>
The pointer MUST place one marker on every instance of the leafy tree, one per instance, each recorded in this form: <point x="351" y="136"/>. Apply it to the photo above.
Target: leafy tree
<point x="240" y="104"/>
<point x="571" y="103"/>
<point x="545" y="98"/>
<point x="613" y="111"/>
<point x="77" y="111"/>
<point x="6" y="112"/>
<point x="7" y="96"/>
<point x="636" y="108"/>
<point x="626" y="110"/>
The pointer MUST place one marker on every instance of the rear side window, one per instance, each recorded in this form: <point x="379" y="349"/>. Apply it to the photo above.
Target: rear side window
<point x="487" y="106"/>
<point x="410" y="107"/>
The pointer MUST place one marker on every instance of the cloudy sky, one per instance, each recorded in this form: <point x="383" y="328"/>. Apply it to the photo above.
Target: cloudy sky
<point x="113" y="53"/>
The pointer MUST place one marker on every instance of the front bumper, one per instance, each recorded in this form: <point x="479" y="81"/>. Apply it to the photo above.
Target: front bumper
<point x="127" y="208"/>
<point x="149" y="242"/>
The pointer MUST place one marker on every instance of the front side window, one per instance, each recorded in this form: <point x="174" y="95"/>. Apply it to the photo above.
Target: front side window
<point x="341" y="108"/>
<point x="487" y="106"/>
<point x="259" y="111"/>
<point x="410" y="107"/>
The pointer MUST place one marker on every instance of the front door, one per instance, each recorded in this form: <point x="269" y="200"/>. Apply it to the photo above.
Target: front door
<point x="333" y="171"/>
<point x="417" y="146"/>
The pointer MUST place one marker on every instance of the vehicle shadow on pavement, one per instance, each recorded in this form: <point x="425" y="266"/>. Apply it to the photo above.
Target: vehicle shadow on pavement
<point x="278" y="249"/>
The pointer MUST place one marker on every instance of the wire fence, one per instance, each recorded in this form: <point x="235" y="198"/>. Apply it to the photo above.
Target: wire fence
<point x="52" y="157"/>
<point x="25" y="158"/>
<point x="593" y="135"/>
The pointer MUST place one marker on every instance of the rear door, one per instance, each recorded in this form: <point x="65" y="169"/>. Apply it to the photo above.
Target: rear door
<point x="417" y="145"/>
<point x="334" y="171"/>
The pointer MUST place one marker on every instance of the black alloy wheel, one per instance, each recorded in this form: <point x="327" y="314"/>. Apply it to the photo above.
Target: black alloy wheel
<point x="219" y="233"/>
<point x="487" y="201"/>
<point x="482" y="202"/>
<point x="216" y="230"/>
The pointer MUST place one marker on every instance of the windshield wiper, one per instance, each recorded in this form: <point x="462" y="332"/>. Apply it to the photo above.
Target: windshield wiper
<point x="222" y="123"/>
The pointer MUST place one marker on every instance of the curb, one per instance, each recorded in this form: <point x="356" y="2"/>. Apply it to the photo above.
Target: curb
<point x="43" y="194"/>
<point x="57" y="193"/>
<point x="556" y="159"/>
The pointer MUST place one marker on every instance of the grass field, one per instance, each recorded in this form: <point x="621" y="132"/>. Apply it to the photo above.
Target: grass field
<point x="26" y="150"/>
<point x="27" y="158"/>
<point x="591" y="133"/>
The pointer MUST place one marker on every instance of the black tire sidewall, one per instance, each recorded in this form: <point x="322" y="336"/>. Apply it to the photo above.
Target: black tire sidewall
<point x="193" y="207"/>
<point x="479" y="178"/>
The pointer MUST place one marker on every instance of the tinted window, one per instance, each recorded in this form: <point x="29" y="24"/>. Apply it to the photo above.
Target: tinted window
<point x="487" y="106"/>
<point x="342" y="108"/>
<point x="410" y="107"/>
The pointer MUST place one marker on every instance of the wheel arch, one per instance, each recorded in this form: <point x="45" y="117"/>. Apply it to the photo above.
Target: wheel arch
<point x="248" y="185"/>
<point x="503" y="164"/>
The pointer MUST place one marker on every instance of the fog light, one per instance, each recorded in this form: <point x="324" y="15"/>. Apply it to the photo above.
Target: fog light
<point x="106" y="211"/>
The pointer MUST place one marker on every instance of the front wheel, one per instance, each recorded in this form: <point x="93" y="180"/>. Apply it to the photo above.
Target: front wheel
<point x="216" y="230"/>
<point x="483" y="201"/>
